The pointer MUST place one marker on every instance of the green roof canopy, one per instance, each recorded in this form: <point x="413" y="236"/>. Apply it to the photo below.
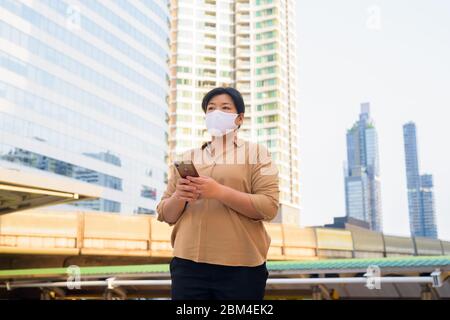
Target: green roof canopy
<point x="316" y="265"/>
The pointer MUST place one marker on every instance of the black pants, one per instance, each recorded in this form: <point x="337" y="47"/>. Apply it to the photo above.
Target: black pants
<point x="202" y="281"/>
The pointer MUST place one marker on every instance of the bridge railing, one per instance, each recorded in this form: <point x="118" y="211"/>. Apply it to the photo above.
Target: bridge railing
<point x="50" y="232"/>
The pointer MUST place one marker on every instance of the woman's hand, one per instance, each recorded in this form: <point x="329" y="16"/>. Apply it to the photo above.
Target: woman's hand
<point x="186" y="190"/>
<point x="206" y="186"/>
<point x="237" y="200"/>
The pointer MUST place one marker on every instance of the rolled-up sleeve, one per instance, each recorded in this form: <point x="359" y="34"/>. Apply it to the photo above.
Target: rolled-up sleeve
<point x="265" y="185"/>
<point x="171" y="187"/>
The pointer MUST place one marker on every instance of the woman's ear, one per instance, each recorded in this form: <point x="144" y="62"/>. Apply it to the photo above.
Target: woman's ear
<point x="239" y="119"/>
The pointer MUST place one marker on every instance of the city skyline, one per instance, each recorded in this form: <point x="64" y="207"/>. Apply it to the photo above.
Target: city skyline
<point x="388" y="53"/>
<point x="360" y="59"/>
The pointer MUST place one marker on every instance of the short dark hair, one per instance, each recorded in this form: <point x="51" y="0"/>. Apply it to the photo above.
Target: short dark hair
<point x="232" y="92"/>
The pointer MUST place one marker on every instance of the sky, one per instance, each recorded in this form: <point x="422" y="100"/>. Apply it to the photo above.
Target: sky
<point x="394" y="54"/>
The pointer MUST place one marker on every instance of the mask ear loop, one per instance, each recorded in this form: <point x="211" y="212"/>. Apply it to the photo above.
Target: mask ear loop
<point x="235" y="130"/>
<point x="239" y="125"/>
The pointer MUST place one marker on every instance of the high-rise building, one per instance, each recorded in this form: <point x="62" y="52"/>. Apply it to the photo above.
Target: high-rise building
<point x="249" y="45"/>
<point x="422" y="216"/>
<point x="83" y="94"/>
<point x="362" y="172"/>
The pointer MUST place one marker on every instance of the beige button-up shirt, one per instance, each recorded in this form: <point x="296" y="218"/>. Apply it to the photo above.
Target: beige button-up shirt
<point x="209" y="231"/>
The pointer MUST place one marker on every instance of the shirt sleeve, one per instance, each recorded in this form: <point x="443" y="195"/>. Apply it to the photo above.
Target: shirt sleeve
<point x="265" y="185"/>
<point x="171" y="187"/>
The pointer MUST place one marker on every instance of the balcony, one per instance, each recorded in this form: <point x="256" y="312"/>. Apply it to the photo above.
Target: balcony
<point x="242" y="7"/>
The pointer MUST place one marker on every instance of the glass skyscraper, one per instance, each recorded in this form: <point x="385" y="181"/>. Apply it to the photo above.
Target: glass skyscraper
<point x="422" y="217"/>
<point x="83" y="94"/>
<point x="362" y="173"/>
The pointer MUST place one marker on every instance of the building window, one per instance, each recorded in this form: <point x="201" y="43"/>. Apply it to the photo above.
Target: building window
<point x="148" y="192"/>
<point x="141" y="210"/>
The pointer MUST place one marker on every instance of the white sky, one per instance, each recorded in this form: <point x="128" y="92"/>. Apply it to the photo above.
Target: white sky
<point x="394" y="54"/>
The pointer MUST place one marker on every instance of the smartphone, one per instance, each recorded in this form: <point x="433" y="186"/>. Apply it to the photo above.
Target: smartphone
<point x="186" y="168"/>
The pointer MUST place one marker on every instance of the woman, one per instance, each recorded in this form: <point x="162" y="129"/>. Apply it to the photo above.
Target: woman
<point x="219" y="240"/>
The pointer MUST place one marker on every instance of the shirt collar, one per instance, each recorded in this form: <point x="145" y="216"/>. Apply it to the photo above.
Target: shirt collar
<point x="237" y="142"/>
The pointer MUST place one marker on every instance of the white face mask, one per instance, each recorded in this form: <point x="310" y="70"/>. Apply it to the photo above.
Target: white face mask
<point x="220" y="123"/>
